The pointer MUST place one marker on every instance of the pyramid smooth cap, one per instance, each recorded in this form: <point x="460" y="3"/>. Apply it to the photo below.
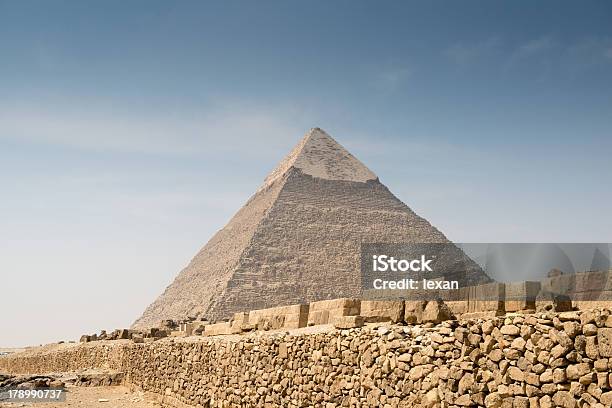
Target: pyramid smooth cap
<point x="319" y="155"/>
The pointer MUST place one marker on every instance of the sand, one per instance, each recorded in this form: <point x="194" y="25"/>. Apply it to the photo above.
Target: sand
<point x="89" y="397"/>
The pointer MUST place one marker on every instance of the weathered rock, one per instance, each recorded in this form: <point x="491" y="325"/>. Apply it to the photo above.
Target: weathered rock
<point x="382" y="311"/>
<point x="436" y="312"/>
<point x="604" y="342"/>
<point x="349" y="322"/>
<point x="510" y="330"/>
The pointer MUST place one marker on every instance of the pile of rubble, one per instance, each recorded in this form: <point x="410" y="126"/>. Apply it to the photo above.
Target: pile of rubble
<point x="30" y="381"/>
<point x="137" y="336"/>
<point x="83" y="379"/>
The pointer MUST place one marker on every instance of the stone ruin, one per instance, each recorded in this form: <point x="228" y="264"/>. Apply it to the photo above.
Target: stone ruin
<point x="537" y="359"/>
<point x="559" y="293"/>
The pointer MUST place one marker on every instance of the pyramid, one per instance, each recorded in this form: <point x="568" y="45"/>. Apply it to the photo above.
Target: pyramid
<point x="296" y="240"/>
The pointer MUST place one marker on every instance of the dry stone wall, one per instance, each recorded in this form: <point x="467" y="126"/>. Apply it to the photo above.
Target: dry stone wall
<point x="67" y="358"/>
<point x="534" y="360"/>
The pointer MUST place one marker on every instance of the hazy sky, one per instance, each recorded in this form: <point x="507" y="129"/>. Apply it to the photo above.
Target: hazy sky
<point x="131" y="131"/>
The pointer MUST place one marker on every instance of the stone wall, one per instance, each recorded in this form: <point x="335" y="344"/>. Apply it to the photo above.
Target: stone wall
<point x="68" y="358"/>
<point x="533" y="360"/>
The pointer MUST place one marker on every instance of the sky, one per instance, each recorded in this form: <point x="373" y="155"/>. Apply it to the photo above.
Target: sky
<point x="131" y="131"/>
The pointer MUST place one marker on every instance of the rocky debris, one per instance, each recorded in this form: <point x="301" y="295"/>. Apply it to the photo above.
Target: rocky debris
<point x="125" y="334"/>
<point x="98" y="379"/>
<point x="85" y="379"/>
<point x="29" y="382"/>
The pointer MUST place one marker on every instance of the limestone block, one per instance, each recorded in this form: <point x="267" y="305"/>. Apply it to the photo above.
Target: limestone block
<point x="349" y="322"/>
<point x="436" y="312"/>
<point x="456" y="300"/>
<point x="217" y="329"/>
<point x="458" y="307"/>
<point x="292" y="317"/>
<point x="413" y="310"/>
<point x="317" y="317"/>
<point x="283" y="351"/>
<point x="604" y="342"/>
<point x="487" y="297"/>
<point x="604" y="302"/>
<point x="240" y="320"/>
<point x="382" y="310"/>
<point x="521" y="295"/>
<point x="421" y="311"/>
<point x="327" y="311"/>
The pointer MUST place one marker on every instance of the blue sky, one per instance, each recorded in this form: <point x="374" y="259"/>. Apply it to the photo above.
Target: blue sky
<point x="131" y="131"/>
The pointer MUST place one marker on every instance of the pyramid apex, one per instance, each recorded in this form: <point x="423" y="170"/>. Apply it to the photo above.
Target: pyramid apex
<point x="319" y="155"/>
<point x="317" y="132"/>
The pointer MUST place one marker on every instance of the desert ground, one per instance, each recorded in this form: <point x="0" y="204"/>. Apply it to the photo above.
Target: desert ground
<point x="90" y="397"/>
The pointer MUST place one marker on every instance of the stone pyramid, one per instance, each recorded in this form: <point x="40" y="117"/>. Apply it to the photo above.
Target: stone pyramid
<point x="296" y="240"/>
